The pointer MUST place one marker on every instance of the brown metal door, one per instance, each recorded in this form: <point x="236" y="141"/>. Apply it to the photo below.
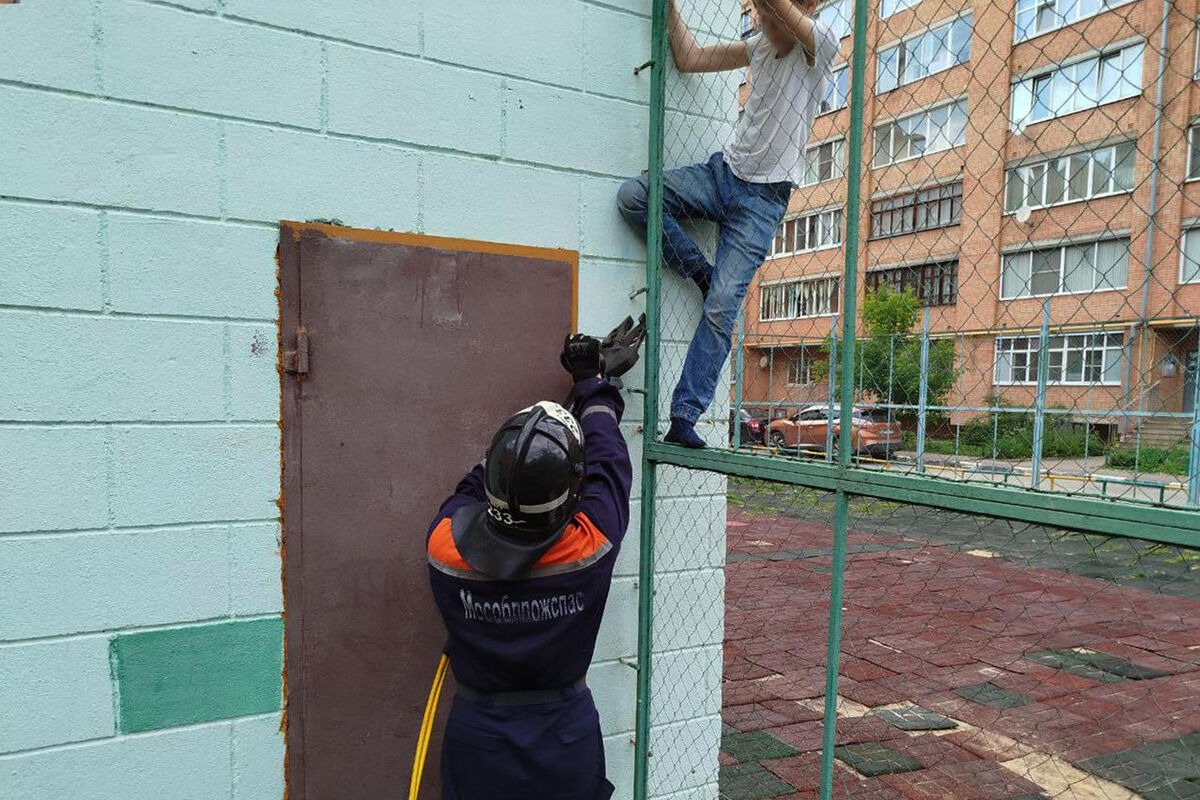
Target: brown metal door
<point x="417" y="349"/>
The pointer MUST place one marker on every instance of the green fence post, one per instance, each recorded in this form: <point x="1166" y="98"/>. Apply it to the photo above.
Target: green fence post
<point x="841" y="507"/>
<point x="1193" y="490"/>
<point x="739" y="373"/>
<point x="1039" y="406"/>
<point x="923" y="396"/>
<point x="641" y="755"/>
<point x="829" y="404"/>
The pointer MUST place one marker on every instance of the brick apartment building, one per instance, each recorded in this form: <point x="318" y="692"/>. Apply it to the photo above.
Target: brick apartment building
<point x="1008" y="157"/>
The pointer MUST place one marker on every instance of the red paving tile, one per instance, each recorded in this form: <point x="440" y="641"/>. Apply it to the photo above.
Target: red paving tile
<point x="924" y="621"/>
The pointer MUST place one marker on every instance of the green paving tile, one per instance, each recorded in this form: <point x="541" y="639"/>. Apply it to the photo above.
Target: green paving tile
<point x="991" y="695"/>
<point x="197" y="674"/>
<point x="915" y="718"/>
<point x="1175" y="790"/>
<point x="754" y="745"/>
<point x="1100" y="667"/>
<point x="751" y="782"/>
<point x="873" y="758"/>
<point x="1164" y="770"/>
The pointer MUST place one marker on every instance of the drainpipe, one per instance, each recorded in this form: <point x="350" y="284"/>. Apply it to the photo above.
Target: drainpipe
<point x="1152" y="212"/>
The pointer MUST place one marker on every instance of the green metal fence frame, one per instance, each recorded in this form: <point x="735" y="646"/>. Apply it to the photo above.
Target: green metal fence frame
<point x="843" y="477"/>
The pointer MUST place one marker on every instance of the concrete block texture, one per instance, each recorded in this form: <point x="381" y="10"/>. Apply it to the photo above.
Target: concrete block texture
<point x="258" y="750"/>
<point x="50" y="256"/>
<point x="63" y="60"/>
<point x="180" y="676"/>
<point x="390" y="24"/>
<point x="685" y="757"/>
<point x="187" y="764"/>
<point x="543" y="126"/>
<point x="471" y="99"/>
<point x="275" y="174"/>
<point x="502" y="204"/>
<point x="159" y="265"/>
<point x="44" y="465"/>
<point x="63" y="367"/>
<point x="488" y="40"/>
<point x="130" y="156"/>
<point x="53" y="692"/>
<point x="170" y="474"/>
<point x="75" y="583"/>
<point x="196" y="62"/>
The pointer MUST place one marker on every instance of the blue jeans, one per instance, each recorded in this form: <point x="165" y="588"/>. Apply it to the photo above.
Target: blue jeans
<point x="748" y="214"/>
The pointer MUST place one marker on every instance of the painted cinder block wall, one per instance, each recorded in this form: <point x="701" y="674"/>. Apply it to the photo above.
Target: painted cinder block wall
<point x="149" y="151"/>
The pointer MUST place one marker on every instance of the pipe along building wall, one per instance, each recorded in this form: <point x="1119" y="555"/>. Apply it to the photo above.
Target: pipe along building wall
<point x="150" y="150"/>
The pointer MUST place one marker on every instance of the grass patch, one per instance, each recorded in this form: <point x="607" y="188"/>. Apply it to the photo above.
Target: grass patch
<point x="1171" y="460"/>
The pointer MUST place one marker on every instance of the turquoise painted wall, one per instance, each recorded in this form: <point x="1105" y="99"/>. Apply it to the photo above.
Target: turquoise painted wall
<point x="149" y="150"/>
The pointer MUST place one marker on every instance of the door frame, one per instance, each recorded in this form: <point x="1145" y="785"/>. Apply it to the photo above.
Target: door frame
<point x="290" y="502"/>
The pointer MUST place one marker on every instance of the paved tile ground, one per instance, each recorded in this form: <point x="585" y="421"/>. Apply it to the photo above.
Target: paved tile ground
<point x="1005" y="640"/>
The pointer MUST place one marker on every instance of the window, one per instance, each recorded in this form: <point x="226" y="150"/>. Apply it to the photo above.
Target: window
<point x="1190" y="257"/>
<point x="1077" y="358"/>
<point x="922" y="210"/>
<point x="1075" y="87"/>
<point x="1035" y="17"/>
<point x="745" y="77"/>
<point x="747" y="24"/>
<point x="799" y="370"/>
<point x="823" y="162"/>
<point x="838" y="15"/>
<point x="935" y="50"/>
<point x="814" y="297"/>
<point x="837" y="91"/>
<point x="1068" y="179"/>
<point x="1193" y="169"/>
<point x="889" y="7"/>
<point x="811" y="232"/>
<point x="930" y="131"/>
<point x="934" y="284"/>
<point x="1067" y="269"/>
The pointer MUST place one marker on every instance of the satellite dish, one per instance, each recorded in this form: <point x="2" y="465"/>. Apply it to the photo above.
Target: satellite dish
<point x="1023" y="214"/>
<point x="762" y="362"/>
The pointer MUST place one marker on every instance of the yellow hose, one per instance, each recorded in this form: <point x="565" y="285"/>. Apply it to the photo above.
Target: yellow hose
<point x="435" y="694"/>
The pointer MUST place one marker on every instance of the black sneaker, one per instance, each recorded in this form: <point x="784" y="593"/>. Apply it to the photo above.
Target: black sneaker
<point x="683" y="433"/>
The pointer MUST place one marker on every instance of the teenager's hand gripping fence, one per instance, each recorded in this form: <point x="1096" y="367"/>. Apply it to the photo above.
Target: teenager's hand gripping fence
<point x="971" y="353"/>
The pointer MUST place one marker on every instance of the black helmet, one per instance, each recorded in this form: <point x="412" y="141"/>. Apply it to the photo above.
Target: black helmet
<point x="534" y="476"/>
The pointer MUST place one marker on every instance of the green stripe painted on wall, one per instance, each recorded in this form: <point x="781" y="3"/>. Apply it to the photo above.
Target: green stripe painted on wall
<point x="197" y="674"/>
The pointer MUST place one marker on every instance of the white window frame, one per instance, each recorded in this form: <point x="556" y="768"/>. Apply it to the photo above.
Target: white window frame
<point x="747" y="24"/>
<point x="790" y="300"/>
<point x="804" y="369"/>
<point x="1103" y="6"/>
<point x="1062" y="260"/>
<point x="1188" y="229"/>
<point x="1029" y="82"/>
<point x="833" y="212"/>
<point x="847" y="15"/>
<point x="1045" y="165"/>
<point x="900" y="5"/>
<point x="891" y="123"/>
<point x="844" y="69"/>
<point x="1031" y="346"/>
<point x="840" y="161"/>
<point x="1193" y="129"/>
<point x="915" y="42"/>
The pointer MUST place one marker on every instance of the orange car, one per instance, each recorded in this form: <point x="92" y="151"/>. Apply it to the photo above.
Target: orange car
<point x="808" y="429"/>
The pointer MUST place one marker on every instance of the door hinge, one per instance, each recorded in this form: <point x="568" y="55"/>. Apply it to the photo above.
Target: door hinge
<point x="295" y="362"/>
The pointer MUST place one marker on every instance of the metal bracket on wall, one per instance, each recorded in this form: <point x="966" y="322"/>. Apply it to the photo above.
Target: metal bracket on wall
<point x="295" y="362"/>
<point x="647" y="65"/>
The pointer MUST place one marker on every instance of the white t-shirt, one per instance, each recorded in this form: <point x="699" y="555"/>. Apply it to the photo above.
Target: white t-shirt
<point x="768" y="142"/>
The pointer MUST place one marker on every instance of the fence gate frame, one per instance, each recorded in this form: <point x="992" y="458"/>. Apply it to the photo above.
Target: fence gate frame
<point x="1168" y="526"/>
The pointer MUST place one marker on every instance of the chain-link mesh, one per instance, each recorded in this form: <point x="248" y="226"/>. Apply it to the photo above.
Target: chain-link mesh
<point x="1025" y="314"/>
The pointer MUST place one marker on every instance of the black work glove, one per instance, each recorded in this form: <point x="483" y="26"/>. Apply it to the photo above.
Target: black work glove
<point x="581" y="356"/>
<point x="619" y="350"/>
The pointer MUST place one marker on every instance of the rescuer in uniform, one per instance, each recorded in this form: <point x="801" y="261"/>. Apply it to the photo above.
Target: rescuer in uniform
<point x="521" y="557"/>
